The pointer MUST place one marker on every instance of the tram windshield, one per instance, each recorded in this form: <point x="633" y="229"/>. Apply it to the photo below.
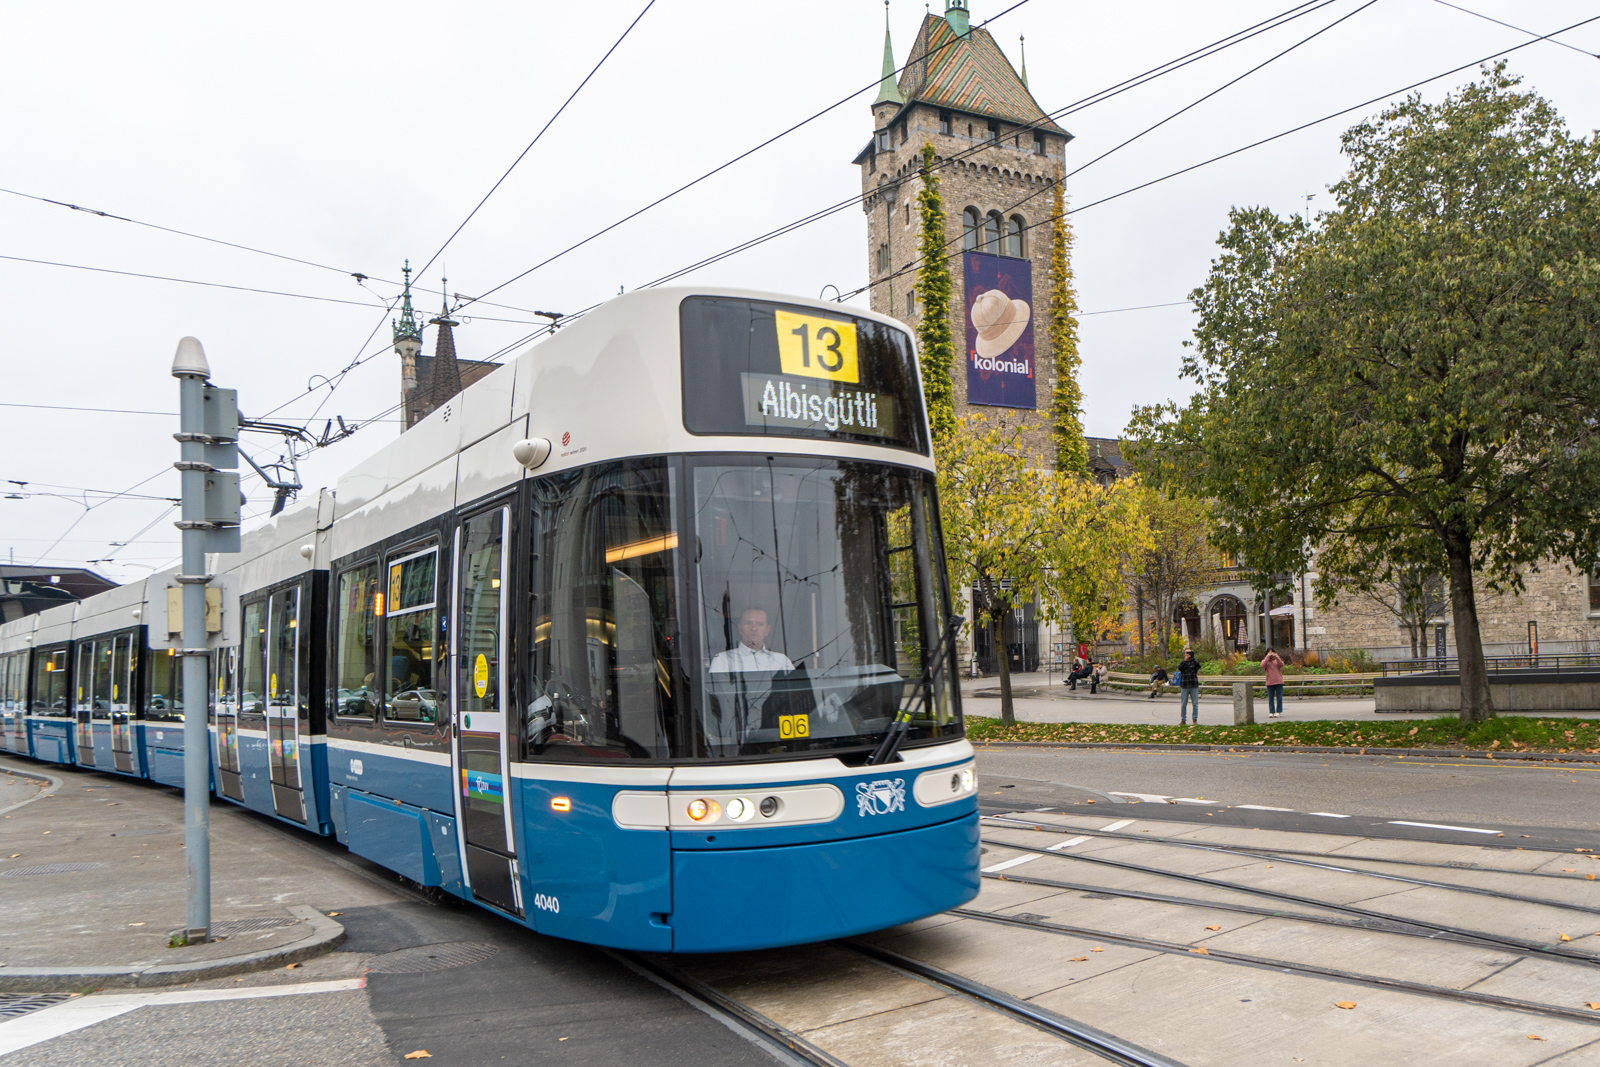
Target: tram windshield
<point x="807" y="585"/>
<point x="815" y="585"/>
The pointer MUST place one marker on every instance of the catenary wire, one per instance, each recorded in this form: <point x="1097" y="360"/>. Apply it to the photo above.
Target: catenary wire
<point x="715" y="170"/>
<point x="573" y="95"/>
<point x="1226" y="155"/>
<point x="1166" y="68"/>
<point x="1509" y="26"/>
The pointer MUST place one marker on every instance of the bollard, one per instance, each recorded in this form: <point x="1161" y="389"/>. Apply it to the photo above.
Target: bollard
<point x="1244" y="703"/>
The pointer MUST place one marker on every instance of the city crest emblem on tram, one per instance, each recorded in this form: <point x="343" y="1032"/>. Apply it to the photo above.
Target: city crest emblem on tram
<point x="881" y="797"/>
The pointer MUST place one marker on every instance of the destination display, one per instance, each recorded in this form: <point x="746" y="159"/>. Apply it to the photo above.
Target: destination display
<point x="777" y="400"/>
<point x="756" y="368"/>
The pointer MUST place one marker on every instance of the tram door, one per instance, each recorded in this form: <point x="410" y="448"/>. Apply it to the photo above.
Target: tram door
<point x="284" y="735"/>
<point x="226" y="710"/>
<point x="479" y="704"/>
<point x="122" y="668"/>
<point x="83" y="703"/>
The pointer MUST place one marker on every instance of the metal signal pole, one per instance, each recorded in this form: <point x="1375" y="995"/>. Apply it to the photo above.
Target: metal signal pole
<point x="208" y="432"/>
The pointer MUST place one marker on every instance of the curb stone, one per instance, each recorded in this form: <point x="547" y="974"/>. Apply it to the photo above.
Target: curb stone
<point x="326" y="935"/>
<point x="1369" y="750"/>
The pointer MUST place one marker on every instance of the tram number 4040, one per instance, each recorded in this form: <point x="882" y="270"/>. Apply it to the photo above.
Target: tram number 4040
<point x="794" y="726"/>
<point x="544" y="902"/>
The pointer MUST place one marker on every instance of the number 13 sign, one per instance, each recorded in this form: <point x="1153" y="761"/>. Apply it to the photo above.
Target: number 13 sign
<point x="815" y="347"/>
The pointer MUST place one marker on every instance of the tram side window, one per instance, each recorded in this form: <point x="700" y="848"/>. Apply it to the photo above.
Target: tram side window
<point x="412" y="638"/>
<point x="283" y="666"/>
<point x="356" y="679"/>
<point x="83" y="678"/>
<point x="166" y="683"/>
<point x="252" y="653"/>
<point x="605" y="677"/>
<point x="50" y="683"/>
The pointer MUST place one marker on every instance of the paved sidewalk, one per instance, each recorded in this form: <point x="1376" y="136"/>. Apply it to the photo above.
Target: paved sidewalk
<point x="1037" y="702"/>
<point x="92" y="880"/>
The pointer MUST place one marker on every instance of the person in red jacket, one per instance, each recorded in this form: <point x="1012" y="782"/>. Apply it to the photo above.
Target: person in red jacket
<point x="1272" y="664"/>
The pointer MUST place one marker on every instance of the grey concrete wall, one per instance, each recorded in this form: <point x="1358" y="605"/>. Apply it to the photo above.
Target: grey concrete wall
<point x="1520" y="692"/>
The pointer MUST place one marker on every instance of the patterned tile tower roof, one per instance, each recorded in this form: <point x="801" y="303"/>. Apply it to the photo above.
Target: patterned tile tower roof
<point x="967" y="72"/>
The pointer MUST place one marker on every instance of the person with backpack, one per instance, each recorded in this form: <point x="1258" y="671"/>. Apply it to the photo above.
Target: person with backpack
<point x="1188" y="687"/>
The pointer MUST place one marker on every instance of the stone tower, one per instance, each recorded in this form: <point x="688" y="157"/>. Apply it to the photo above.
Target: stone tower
<point x="997" y="155"/>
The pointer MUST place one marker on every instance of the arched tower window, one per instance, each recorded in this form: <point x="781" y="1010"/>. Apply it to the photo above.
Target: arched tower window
<point x="971" y="223"/>
<point x="992" y="228"/>
<point x="1015" y="228"/>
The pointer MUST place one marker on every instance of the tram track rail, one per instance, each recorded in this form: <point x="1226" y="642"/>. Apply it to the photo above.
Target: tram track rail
<point x="1291" y="858"/>
<point x="1493" y="940"/>
<point x="1220" y="955"/>
<point x="1112" y="1048"/>
<point x="787" y="1044"/>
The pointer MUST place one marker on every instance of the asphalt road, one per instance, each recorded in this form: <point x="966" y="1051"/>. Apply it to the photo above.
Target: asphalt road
<point x="1556" y="805"/>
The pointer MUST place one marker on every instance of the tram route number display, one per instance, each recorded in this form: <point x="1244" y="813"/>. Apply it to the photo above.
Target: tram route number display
<point x="794" y="726"/>
<point x="814" y="347"/>
<point x="784" y="401"/>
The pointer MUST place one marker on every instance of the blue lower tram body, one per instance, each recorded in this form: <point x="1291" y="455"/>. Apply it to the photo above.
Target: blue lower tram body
<point x="585" y="878"/>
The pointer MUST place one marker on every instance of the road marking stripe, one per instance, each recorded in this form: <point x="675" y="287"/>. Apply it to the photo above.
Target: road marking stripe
<point x="1008" y="864"/>
<point x="1328" y="814"/>
<point x="1058" y="846"/>
<point x="1154" y="798"/>
<point x="1261" y="807"/>
<point x="64" y="1018"/>
<point x="1194" y="800"/>
<point x="1441" y="826"/>
<point x="1116" y="825"/>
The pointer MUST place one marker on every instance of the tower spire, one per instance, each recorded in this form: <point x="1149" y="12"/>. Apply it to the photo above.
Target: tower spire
<point x="405" y="327"/>
<point x="1022" y="41"/>
<point x="888" y="88"/>
<point x="445" y="379"/>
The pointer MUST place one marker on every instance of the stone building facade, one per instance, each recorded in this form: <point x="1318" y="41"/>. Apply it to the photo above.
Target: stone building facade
<point x="997" y="156"/>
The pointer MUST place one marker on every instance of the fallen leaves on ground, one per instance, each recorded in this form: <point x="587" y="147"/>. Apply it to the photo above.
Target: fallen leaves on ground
<point x="1564" y="937"/>
<point x="331" y="914"/>
<point x="1079" y="959"/>
<point x="1202" y="951"/>
<point x="1535" y="1037"/>
<point x="420" y="1054"/>
<point x="1213" y="928"/>
<point x="1594" y="1005"/>
<point x="290" y="966"/>
<point x="1345" y="1004"/>
<point x="1097" y="950"/>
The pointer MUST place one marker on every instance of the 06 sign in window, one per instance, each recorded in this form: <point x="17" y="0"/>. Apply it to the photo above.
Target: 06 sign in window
<point x="814" y="347"/>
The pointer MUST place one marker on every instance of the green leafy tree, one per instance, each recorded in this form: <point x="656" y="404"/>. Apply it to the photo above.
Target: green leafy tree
<point x="1413" y="384"/>
<point x="934" y="335"/>
<point x="1066" y="400"/>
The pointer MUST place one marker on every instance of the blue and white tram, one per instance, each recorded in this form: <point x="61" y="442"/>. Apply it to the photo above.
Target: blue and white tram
<point x="608" y="642"/>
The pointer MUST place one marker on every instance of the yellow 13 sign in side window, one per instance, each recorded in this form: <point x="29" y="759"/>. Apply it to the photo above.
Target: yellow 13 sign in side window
<point x="815" y="347"/>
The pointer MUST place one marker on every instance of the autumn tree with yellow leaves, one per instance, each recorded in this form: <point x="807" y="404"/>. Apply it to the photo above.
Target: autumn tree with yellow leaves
<point x="1016" y="530"/>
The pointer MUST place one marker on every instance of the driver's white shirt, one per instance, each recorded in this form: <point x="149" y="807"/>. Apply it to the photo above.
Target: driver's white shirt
<point x="744" y="658"/>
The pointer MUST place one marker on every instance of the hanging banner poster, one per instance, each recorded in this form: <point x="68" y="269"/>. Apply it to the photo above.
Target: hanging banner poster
<point x="999" y="351"/>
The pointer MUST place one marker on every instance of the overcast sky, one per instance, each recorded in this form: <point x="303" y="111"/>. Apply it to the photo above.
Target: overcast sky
<point x="356" y="135"/>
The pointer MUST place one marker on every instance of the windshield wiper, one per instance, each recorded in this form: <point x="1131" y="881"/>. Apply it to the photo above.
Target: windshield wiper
<point x="920" y="698"/>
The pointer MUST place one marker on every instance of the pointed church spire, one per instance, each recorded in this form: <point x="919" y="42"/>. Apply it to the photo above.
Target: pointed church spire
<point x="888" y="88"/>
<point x="445" y="380"/>
<point x="1022" y="41"/>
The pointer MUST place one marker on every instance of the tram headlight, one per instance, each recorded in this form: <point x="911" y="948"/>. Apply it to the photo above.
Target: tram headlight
<point x="969" y="779"/>
<point x="740" y="809"/>
<point x="704" y="810"/>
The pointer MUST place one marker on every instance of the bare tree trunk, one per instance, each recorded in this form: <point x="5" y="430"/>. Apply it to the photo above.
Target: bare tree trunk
<point x="997" y="636"/>
<point x="1476" y="704"/>
<point x="1138" y="600"/>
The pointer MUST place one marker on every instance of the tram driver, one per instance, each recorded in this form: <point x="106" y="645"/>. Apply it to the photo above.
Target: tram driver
<point x="743" y="678"/>
<point x="752" y="653"/>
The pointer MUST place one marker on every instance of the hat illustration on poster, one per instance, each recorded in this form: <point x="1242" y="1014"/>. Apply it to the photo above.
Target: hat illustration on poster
<point x="1000" y="320"/>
